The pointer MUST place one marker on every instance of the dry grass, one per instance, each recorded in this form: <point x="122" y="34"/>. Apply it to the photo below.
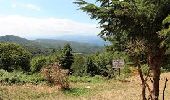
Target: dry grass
<point x="109" y="90"/>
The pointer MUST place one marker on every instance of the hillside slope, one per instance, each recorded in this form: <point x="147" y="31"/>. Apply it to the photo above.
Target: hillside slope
<point x="45" y="46"/>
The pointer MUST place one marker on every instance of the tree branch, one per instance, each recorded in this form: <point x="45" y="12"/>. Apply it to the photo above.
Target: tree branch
<point x="164" y="89"/>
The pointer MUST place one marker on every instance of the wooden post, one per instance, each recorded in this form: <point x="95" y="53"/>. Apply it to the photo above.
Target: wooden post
<point x="119" y="71"/>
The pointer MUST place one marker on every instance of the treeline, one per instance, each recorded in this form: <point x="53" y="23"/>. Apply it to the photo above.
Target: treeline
<point x="17" y="65"/>
<point x="48" y="46"/>
<point x="15" y="57"/>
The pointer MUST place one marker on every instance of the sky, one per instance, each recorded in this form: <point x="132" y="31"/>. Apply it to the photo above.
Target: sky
<point x="44" y="18"/>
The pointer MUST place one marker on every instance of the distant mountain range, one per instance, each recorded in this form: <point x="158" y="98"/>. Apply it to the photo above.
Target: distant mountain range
<point x="45" y="46"/>
<point x="95" y="40"/>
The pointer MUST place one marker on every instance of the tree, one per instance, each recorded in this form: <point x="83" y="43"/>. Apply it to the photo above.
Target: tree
<point x="91" y="68"/>
<point x="14" y="57"/>
<point x="140" y="20"/>
<point x="37" y="63"/>
<point x="78" y="67"/>
<point x="67" y="58"/>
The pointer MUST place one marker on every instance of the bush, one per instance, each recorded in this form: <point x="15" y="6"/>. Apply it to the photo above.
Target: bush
<point x="19" y="78"/>
<point x="14" y="57"/>
<point x="56" y="76"/>
<point x="127" y="71"/>
<point x="37" y="63"/>
<point x="78" y="67"/>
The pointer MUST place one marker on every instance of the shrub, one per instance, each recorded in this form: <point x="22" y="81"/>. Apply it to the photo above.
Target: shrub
<point x="56" y="76"/>
<point x="78" y="67"/>
<point x="37" y="63"/>
<point x="19" y="78"/>
<point x="127" y="71"/>
<point x="92" y="69"/>
<point x="14" y="57"/>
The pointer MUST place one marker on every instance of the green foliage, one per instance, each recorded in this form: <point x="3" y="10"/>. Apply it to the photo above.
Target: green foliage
<point x="14" y="57"/>
<point x="91" y="68"/>
<point x="37" y="63"/>
<point x="103" y="61"/>
<point x="47" y="46"/>
<point x="84" y="48"/>
<point x="19" y="78"/>
<point x="67" y="58"/>
<point x="127" y="71"/>
<point x="135" y="20"/>
<point x="143" y="21"/>
<point x="78" y="67"/>
<point x="145" y="69"/>
<point x="166" y="67"/>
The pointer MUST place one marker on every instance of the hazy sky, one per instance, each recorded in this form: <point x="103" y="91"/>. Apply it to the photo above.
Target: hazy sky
<point x="44" y="18"/>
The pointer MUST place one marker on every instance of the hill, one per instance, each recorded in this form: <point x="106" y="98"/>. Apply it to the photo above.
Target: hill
<point x="95" y="40"/>
<point x="77" y="46"/>
<point x="46" y="46"/>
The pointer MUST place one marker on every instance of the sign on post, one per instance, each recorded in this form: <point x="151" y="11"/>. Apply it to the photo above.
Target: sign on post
<point x="118" y="63"/>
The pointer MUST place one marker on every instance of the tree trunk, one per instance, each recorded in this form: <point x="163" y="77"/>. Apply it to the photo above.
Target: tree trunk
<point x="156" y="77"/>
<point x="155" y="61"/>
<point x="143" y="83"/>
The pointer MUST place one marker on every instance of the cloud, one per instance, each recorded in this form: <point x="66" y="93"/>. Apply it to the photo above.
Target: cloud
<point x="27" y="6"/>
<point x="43" y="27"/>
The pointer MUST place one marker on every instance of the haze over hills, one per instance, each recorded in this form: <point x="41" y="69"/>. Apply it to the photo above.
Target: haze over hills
<point x="92" y="39"/>
<point x="45" y="46"/>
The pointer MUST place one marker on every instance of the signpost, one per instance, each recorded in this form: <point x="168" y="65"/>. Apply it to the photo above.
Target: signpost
<point x="117" y="64"/>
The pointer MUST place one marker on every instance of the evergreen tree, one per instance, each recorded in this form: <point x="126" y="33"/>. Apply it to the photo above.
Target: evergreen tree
<point x="91" y="68"/>
<point x="67" y="58"/>
<point x="142" y="21"/>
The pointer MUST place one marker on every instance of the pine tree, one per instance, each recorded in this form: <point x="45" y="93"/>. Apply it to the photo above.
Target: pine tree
<point x="67" y="58"/>
<point x="141" y="21"/>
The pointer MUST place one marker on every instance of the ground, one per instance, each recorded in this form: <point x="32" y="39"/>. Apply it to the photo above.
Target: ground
<point x="129" y="89"/>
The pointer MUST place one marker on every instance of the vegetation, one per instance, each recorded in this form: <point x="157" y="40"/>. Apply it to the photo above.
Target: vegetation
<point x="78" y="67"/>
<point x="66" y="58"/>
<point x="16" y="77"/>
<point x="97" y="89"/>
<point x="37" y="63"/>
<point x="137" y="32"/>
<point x="46" y="47"/>
<point x="56" y="76"/>
<point x="14" y="57"/>
<point x="145" y="25"/>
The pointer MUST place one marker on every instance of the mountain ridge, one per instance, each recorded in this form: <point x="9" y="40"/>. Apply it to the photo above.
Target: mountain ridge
<point x="44" y="46"/>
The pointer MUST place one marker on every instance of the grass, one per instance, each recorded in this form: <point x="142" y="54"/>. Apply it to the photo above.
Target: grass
<point x="82" y="88"/>
<point x="87" y="79"/>
<point x="76" y="91"/>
